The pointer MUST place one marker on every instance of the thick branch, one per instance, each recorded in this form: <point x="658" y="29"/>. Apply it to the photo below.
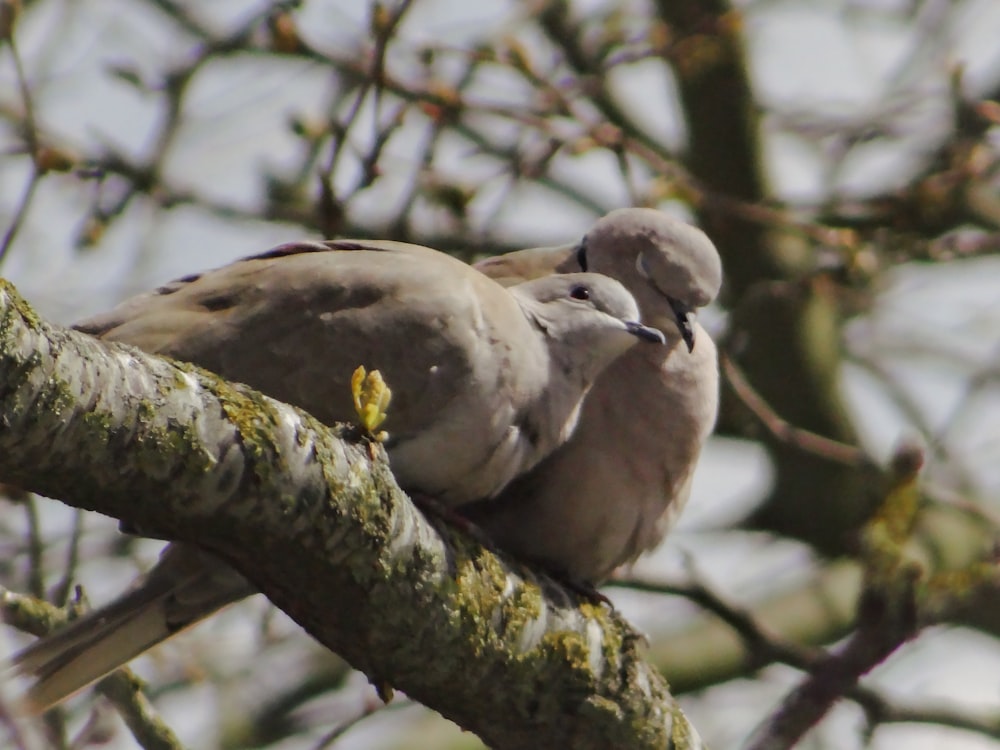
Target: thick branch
<point x="321" y="528"/>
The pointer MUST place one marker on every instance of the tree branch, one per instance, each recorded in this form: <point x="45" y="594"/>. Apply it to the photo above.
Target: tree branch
<point x="319" y="525"/>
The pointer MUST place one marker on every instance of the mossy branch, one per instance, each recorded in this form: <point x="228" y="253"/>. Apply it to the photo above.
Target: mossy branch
<point x="318" y="524"/>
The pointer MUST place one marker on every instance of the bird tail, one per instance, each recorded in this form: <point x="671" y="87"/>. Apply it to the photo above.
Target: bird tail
<point x="175" y="595"/>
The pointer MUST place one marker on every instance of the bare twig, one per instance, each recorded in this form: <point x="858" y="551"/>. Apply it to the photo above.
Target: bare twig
<point x="781" y="430"/>
<point x="884" y="626"/>
<point x="31" y="138"/>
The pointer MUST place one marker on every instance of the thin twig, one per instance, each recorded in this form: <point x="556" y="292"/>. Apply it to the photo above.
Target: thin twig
<point x="780" y="429"/>
<point x="371" y="708"/>
<point x="762" y="646"/>
<point x="30" y="129"/>
<point x="884" y="626"/>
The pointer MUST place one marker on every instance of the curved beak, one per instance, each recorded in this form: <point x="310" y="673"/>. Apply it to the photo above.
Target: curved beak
<point x="645" y="333"/>
<point x="683" y="315"/>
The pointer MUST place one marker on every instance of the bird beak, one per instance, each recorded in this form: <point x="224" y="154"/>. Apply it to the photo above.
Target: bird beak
<point x="645" y="333"/>
<point x="581" y="254"/>
<point x="684" y="318"/>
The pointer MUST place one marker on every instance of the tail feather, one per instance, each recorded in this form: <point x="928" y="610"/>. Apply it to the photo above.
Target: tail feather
<point x="185" y="587"/>
<point x="89" y="649"/>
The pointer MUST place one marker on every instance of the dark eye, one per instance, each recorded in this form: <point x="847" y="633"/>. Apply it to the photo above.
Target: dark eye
<point x="579" y="292"/>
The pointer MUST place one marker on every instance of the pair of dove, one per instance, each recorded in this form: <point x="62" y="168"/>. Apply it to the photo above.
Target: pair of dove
<point x="488" y="384"/>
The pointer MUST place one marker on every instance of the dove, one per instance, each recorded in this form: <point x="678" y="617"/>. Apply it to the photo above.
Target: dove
<point x="614" y="489"/>
<point x="486" y="382"/>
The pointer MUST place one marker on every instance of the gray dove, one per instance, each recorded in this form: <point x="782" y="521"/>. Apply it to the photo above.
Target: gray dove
<point x="619" y="483"/>
<point x="486" y="382"/>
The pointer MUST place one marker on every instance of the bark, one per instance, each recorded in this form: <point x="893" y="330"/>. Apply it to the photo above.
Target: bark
<point x="318" y="524"/>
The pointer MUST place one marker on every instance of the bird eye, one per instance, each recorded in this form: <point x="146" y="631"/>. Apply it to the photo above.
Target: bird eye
<point x="579" y="292"/>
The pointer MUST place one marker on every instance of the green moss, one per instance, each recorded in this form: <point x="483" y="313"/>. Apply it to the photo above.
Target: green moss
<point x="253" y="417"/>
<point x="15" y="375"/>
<point x="17" y="306"/>
<point x="568" y="647"/>
<point x="62" y="398"/>
<point x="33" y="615"/>
<point x="523" y="607"/>
<point x="680" y="728"/>
<point x="601" y="710"/>
<point x="243" y="410"/>
<point x="145" y="412"/>
<point x="97" y="424"/>
<point x="479" y="576"/>
<point x="329" y="463"/>
<point x="15" y="316"/>
<point x="164" y="444"/>
<point x="491" y="615"/>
